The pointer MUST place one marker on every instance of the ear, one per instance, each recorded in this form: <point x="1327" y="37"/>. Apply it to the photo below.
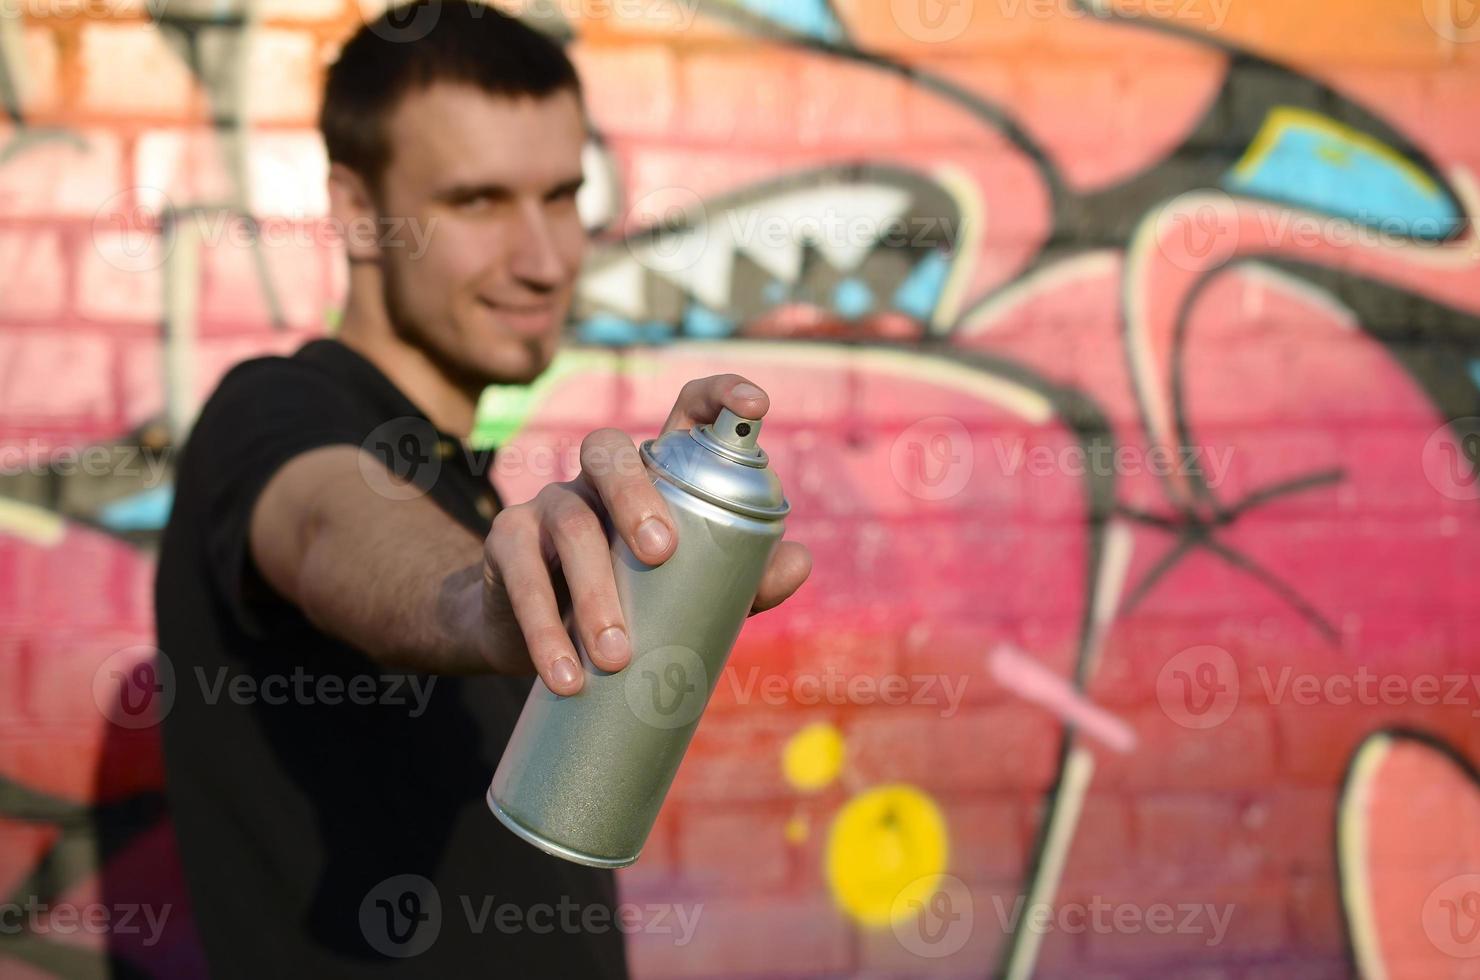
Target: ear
<point x="353" y="211"/>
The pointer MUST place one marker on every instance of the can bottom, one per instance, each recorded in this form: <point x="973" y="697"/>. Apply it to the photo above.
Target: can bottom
<point x="551" y="847"/>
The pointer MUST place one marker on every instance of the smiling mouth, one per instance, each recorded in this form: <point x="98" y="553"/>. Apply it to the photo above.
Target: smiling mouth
<point x="516" y="307"/>
<point x="524" y="319"/>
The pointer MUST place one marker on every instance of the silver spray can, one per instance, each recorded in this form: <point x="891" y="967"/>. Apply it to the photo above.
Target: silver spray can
<point x="583" y="776"/>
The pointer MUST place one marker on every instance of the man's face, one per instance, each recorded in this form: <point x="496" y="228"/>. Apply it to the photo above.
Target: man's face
<point x="493" y="183"/>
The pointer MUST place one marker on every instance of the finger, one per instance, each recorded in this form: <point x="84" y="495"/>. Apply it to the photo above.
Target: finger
<point x="612" y="466"/>
<point x="700" y="400"/>
<point x="788" y="569"/>
<point x="585" y="561"/>
<point x="514" y="547"/>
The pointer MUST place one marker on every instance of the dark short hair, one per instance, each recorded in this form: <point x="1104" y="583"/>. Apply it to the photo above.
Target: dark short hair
<point x="414" y="45"/>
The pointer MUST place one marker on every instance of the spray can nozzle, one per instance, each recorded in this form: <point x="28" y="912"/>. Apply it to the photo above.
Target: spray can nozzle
<point x="740" y="435"/>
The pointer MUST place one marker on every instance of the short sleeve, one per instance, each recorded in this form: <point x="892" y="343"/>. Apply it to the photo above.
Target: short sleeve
<point x="264" y="413"/>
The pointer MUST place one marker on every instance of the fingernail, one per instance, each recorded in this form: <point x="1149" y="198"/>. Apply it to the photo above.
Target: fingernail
<point x="564" y="672"/>
<point x="744" y="390"/>
<point x="611" y="643"/>
<point x="653" y="536"/>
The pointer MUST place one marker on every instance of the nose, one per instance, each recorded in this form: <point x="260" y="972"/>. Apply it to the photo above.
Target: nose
<point x="537" y="261"/>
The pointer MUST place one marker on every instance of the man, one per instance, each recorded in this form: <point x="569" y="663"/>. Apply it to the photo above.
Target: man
<point x="352" y="649"/>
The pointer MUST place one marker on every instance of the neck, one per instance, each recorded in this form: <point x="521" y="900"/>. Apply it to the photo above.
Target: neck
<point x="367" y="330"/>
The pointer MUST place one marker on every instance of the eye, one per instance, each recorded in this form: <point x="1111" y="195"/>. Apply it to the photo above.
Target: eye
<point x="472" y="202"/>
<point x="476" y="200"/>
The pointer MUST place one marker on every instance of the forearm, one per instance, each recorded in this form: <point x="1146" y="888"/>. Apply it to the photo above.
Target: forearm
<point x="396" y="578"/>
<point x="405" y="588"/>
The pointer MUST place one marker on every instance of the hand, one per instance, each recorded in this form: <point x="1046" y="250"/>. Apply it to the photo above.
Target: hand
<point x="564" y="528"/>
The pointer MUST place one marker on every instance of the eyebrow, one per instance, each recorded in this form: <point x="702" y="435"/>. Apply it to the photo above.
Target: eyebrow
<point x="569" y="186"/>
<point x="468" y="192"/>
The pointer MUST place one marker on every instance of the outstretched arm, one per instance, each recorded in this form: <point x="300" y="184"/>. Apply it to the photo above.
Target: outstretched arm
<point x="413" y="589"/>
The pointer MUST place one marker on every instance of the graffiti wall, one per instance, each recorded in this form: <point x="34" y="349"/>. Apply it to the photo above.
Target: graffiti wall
<point x="1125" y="363"/>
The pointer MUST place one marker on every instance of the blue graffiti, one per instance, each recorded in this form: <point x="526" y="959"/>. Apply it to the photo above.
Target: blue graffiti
<point x="614" y="331"/>
<point x="1311" y="166"/>
<point x="700" y="321"/>
<point x="812" y="18"/>
<point x="919" y="294"/>
<point x="853" y="298"/>
<point x="148" y="510"/>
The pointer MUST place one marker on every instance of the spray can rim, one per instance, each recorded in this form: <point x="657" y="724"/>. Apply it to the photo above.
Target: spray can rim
<point x="709" y="445"/>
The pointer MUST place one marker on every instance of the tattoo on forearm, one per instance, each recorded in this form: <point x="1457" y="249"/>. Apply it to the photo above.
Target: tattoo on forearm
<point x="451" y="596"/>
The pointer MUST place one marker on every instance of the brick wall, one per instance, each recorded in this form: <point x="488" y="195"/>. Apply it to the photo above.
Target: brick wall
<point x="1135" y="441"/>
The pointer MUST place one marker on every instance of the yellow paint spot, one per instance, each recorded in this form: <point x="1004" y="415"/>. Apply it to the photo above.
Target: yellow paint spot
<point x="1334" y="154"/>
<point x="797" y="830"/>
<point x="885" y="853"/>
<point x="813" y="757"/>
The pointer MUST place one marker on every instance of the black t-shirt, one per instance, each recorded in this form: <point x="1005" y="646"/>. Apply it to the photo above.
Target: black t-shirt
<point x="330" y="814"/>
